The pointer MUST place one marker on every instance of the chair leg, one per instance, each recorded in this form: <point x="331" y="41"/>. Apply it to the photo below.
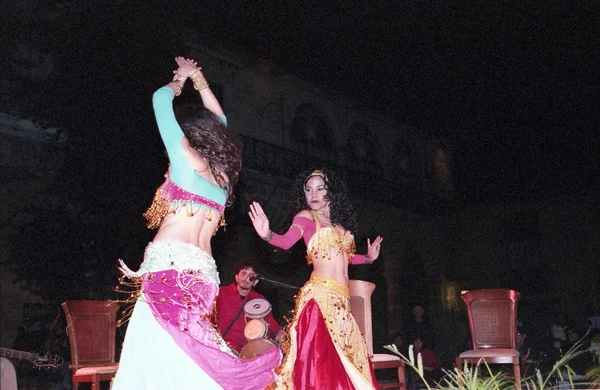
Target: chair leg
<point x="458" y="363"/>
<point x="459" y="367"/>
<point x="75" y="386"/>
<point x="517" y="371"/>
<point x="402" y="378"/>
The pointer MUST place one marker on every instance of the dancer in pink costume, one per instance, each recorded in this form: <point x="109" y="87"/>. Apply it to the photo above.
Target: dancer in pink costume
<point x="170" y="341"/>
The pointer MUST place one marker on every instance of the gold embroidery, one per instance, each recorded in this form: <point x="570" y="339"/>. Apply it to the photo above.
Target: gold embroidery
<point x="328" y="242"/>
<point x="157" y="210"/>
<point x="333" y="300"/>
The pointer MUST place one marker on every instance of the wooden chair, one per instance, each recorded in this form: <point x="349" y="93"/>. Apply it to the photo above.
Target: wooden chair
<point x="91" y="326"/>
<point x="492" y="317"/>
<point x="360" y="299"/>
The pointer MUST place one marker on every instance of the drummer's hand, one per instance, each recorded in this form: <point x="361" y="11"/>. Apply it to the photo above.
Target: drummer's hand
<point x="279" y="337"/>
<point x="259" y="219"/>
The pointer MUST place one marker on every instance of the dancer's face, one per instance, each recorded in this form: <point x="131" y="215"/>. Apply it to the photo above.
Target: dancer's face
<point x="316" y="192"/>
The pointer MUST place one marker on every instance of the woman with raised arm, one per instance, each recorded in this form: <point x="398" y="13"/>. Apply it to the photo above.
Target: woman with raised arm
<point x="170" y="342"/>
<point x="326" y="348"/>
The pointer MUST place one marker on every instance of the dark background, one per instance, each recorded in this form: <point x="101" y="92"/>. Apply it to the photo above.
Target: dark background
<point x="512" y="87"/>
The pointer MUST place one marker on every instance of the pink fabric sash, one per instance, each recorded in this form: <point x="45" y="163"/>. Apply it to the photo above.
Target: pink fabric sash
<point x="182" y="302"/>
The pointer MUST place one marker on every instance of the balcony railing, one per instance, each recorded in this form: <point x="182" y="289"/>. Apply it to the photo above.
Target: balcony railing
<point x="286" y="163"/>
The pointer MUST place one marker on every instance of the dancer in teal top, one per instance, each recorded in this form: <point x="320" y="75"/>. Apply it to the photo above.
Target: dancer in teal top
<point x="170" y="342"/>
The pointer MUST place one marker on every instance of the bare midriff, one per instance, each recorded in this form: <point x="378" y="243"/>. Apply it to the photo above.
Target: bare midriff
<point x="335" y="267"/>
<point x="197" y="230"/>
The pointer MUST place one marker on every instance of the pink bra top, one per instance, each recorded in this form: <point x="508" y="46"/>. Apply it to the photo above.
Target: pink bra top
<point x="170" y="198"/>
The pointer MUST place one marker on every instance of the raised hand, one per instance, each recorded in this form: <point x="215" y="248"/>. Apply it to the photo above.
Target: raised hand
<point x="187" y="67"/>
<point x="259" y="219"/>
<point x="374" y="247"/>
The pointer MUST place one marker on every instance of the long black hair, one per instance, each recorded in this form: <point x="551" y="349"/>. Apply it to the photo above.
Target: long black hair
<point x="213" y="140"/>
<point x="341" y="210"/>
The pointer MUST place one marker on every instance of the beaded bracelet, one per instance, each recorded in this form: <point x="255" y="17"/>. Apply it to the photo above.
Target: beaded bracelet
<point x="200" y="82"/>
<point x="180" y="84"/>
<point x="368" y="259"/>
<point x="269" y="236"/>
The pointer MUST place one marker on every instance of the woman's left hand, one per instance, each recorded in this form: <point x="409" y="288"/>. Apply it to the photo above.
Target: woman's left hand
<point x="187" y="67"/>
<point x="374" y="247"/>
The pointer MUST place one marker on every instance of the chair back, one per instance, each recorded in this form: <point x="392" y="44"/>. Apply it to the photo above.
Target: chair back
<point x="492" y="317"/>
<point x="360" y="300"/>
<point x="91" y="326"/>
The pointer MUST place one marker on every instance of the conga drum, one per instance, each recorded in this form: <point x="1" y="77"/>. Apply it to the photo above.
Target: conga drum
<point x="257" y="308"/>
<point x="257" y="347"/>
<point x="256" y="329"/>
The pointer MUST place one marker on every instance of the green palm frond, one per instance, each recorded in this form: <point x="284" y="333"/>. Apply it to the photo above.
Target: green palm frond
<point x="467" y="379"/>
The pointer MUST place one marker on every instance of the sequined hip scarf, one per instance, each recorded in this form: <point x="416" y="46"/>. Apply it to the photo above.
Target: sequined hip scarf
<point x="331" y="284"/>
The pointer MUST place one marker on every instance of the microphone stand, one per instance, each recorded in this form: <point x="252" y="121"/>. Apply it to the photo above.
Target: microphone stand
<point x="276" y="283"/>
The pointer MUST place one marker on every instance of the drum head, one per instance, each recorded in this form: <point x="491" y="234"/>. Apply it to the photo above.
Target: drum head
<point x="255" y="329"/>
<point x="256" y="347"/>
<point x="257" y="308"/>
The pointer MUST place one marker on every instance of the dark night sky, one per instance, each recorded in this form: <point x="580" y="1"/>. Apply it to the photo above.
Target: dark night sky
<point x="512" y="86"/>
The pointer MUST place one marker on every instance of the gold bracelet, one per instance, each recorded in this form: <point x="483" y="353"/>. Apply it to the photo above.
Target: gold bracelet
<point x="200" y="82"/>
<point x="269" y="236"/>
<point x="180" y="84"/>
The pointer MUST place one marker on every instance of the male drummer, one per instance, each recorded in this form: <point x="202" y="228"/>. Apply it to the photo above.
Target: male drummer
<point x="230" y="318"/>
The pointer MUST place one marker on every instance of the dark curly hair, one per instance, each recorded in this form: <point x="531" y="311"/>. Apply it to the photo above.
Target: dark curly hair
<point x="242" y="264"/>
<point x="221" y="147"/>
<point x="342" y="212"/>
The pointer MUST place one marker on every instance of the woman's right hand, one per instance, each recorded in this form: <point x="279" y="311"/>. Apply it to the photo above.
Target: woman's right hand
<point x="187" y="67"/>
<point x="259" y="219"/>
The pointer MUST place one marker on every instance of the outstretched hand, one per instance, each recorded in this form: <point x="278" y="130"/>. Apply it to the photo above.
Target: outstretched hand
<point x="374" y="247"/>
<point x="187" y="67"/>
<point x="259" y="219"/>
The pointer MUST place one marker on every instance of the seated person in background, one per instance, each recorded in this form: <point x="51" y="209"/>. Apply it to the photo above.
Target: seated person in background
<point x="581" y="363"/>
<point x="558" y="332"/>
<point x="524" y="349"/>
<point x="593" y="322"/>
<point x="398" y="341"/>
<point x="420" y="327"/>
<point x="230" y="318"/>
<point x="530" y="358"/>
<point x="432" y="370"/>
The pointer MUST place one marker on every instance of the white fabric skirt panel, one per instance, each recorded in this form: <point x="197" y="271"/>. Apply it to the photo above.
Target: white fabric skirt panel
<point x="153" y="352"/>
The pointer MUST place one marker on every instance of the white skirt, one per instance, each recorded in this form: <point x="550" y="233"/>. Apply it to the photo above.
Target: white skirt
<point x="153" y="361"/>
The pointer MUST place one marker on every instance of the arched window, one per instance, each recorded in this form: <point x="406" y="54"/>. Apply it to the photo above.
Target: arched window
<point x="441" y="173"/>
<point x="362" y="147"/>
<point x="402" y="164"/>
<point x="311" y="132"/>
<point x="270" y="119"/>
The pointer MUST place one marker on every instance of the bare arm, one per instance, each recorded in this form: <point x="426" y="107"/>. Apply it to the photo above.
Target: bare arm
<point x="188" y="68"/>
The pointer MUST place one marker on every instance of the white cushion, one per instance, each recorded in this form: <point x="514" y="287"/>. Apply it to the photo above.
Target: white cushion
<point x="489" y="352"/>
<point x="384" y="357"/>
<point x="97" y="370"/>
